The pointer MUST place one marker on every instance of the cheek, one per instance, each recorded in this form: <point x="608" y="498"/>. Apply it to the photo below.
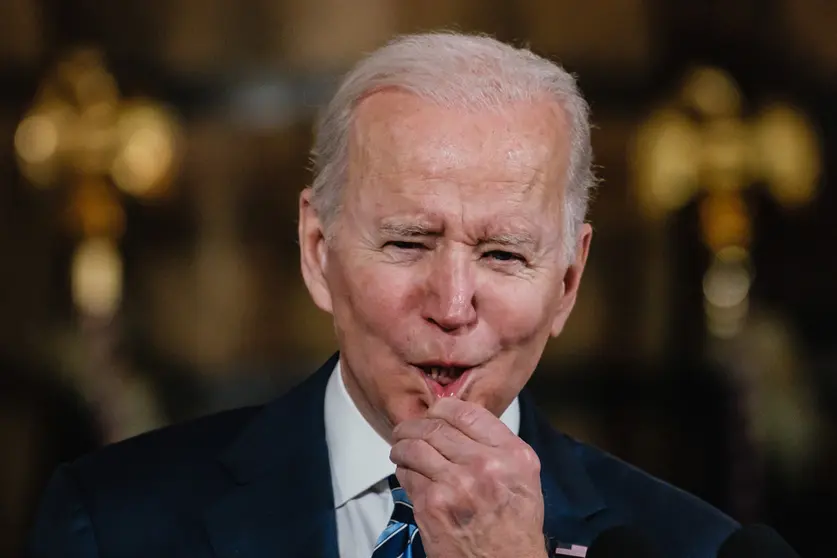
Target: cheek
<point x="520" y="311"/>
<point x="381" y="297"/>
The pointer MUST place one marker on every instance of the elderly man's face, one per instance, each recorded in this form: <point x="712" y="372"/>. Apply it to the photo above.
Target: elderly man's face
<point x="446" y="275"/>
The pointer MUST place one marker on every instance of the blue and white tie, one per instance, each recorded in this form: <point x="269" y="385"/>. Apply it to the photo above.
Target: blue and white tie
<point x="401" y="538"/>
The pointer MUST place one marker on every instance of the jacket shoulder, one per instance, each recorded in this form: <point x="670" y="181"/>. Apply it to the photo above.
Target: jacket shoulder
<point x="168" y="470"/>
<point x="679" y="522"/>
<point x="126" y="498"/>
<point x="164" y="449"/>
<point x="148" y="495"/>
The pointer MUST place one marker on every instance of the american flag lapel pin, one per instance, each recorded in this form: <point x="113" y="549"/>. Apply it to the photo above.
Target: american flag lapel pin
<point x="563" y="549"/>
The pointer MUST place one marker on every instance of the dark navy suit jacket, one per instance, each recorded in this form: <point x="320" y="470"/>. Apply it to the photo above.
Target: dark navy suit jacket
<point x="255" y="483"/>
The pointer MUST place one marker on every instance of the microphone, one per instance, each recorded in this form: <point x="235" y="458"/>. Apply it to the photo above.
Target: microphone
<point x="756" y="541"/>
<point x="622" y="542"/>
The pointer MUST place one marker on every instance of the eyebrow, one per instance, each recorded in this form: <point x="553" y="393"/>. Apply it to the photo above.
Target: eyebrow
<point x="517" y="238"/>
<point x="403" y="229"/>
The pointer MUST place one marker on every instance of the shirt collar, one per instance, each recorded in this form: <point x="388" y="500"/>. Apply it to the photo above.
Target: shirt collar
<point x="358" y="455"/>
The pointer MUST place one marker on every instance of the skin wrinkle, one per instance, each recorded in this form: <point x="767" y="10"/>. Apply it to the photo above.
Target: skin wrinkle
<point x="444" y="153"/>
<point x="451" y="251"/>
<point x="476" y="174"/>
<point x="446" y="297"/>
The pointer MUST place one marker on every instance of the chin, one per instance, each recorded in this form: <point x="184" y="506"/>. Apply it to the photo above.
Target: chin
<point x="408" y="406"/>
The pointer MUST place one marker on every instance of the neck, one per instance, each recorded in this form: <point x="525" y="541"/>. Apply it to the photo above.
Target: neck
<point x="375" y="418"/>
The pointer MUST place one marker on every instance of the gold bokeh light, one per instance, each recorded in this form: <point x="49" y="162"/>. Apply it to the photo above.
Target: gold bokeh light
<point x="702" y="142"/>
<point x="79" y="126"/>
<point x="97" y="276"/>
<point x="702" y="145"/>
<point x="147" y="139"/>
<point x="80" y="134"/>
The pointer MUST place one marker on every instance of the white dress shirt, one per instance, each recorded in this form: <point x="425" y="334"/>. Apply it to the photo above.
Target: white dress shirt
<point x="360" y="465"/>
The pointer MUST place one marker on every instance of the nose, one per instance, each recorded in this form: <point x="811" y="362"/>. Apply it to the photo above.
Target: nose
<point x="451" y="294"/>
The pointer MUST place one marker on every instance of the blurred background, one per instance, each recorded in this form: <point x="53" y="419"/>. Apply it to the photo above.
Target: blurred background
<point x="152" y="152"/>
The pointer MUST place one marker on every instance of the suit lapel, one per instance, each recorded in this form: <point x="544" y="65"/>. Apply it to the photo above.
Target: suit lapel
<point x="574" y="511"/>
<point x="282" y="502"/>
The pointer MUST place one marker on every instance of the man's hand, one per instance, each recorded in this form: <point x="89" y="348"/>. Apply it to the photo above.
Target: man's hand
<point x="475" y="486"/>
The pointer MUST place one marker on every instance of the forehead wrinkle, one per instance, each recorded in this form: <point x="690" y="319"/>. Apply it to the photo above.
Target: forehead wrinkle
<point x="387" y="123"/>
<point x="378" y="136"/>
<point x="370" y="153"/>
<point x="397" y="149"/>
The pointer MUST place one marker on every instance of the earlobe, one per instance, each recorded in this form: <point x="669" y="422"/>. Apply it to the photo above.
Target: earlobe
<point x="313" y="252"/>
<point x="572" y="280"/>
<point x="560" y="319"/>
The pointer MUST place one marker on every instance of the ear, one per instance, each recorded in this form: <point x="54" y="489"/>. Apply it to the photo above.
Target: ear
<point x="572" y="280"/>
<point x="313" y="252"/>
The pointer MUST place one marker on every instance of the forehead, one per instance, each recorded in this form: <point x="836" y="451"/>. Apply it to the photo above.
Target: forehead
<point x="401" y="144"/>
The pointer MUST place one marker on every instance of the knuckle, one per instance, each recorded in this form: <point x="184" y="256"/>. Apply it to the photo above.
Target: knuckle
<point x="527" y="457"/>
<point x="487" y="466"/>
<point x="396" y="451"/>
<point x="414" y="447"/>
<point x="467" y="417"/>
<point x="404" y="449"/>
<point x="451" y="435"/>
<point x="467" y="484"/>
<point x="494" y="466"/>
<point x="433" y="427"/>
<point x="438" y="498"/>
<point x="479" y="465"/>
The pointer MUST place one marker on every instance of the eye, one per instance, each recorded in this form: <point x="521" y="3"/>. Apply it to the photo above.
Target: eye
<point x="405" y="245"/>
<point x="503" y="256"/>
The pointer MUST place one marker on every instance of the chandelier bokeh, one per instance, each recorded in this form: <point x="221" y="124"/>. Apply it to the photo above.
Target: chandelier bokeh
<point x="704" y="145"/>
<point x="80" y="134"/>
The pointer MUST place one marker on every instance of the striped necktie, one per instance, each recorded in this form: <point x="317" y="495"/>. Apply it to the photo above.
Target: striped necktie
<point x="401" y="538"/>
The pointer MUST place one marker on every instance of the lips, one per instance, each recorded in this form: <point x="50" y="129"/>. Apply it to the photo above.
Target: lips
<point x="446" y="380"/>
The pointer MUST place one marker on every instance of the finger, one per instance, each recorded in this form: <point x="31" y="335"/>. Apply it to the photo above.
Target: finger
<point x="447" y="440"/>
<point x="421" y="457"/>
<point x="474" y="421"/>
<point x="412" y="482"/>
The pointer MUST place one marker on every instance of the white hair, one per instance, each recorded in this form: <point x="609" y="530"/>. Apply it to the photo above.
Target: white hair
<point x="456" y="70"/>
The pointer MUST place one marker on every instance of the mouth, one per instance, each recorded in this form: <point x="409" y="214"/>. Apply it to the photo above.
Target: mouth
<point x="447" y="380"/>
